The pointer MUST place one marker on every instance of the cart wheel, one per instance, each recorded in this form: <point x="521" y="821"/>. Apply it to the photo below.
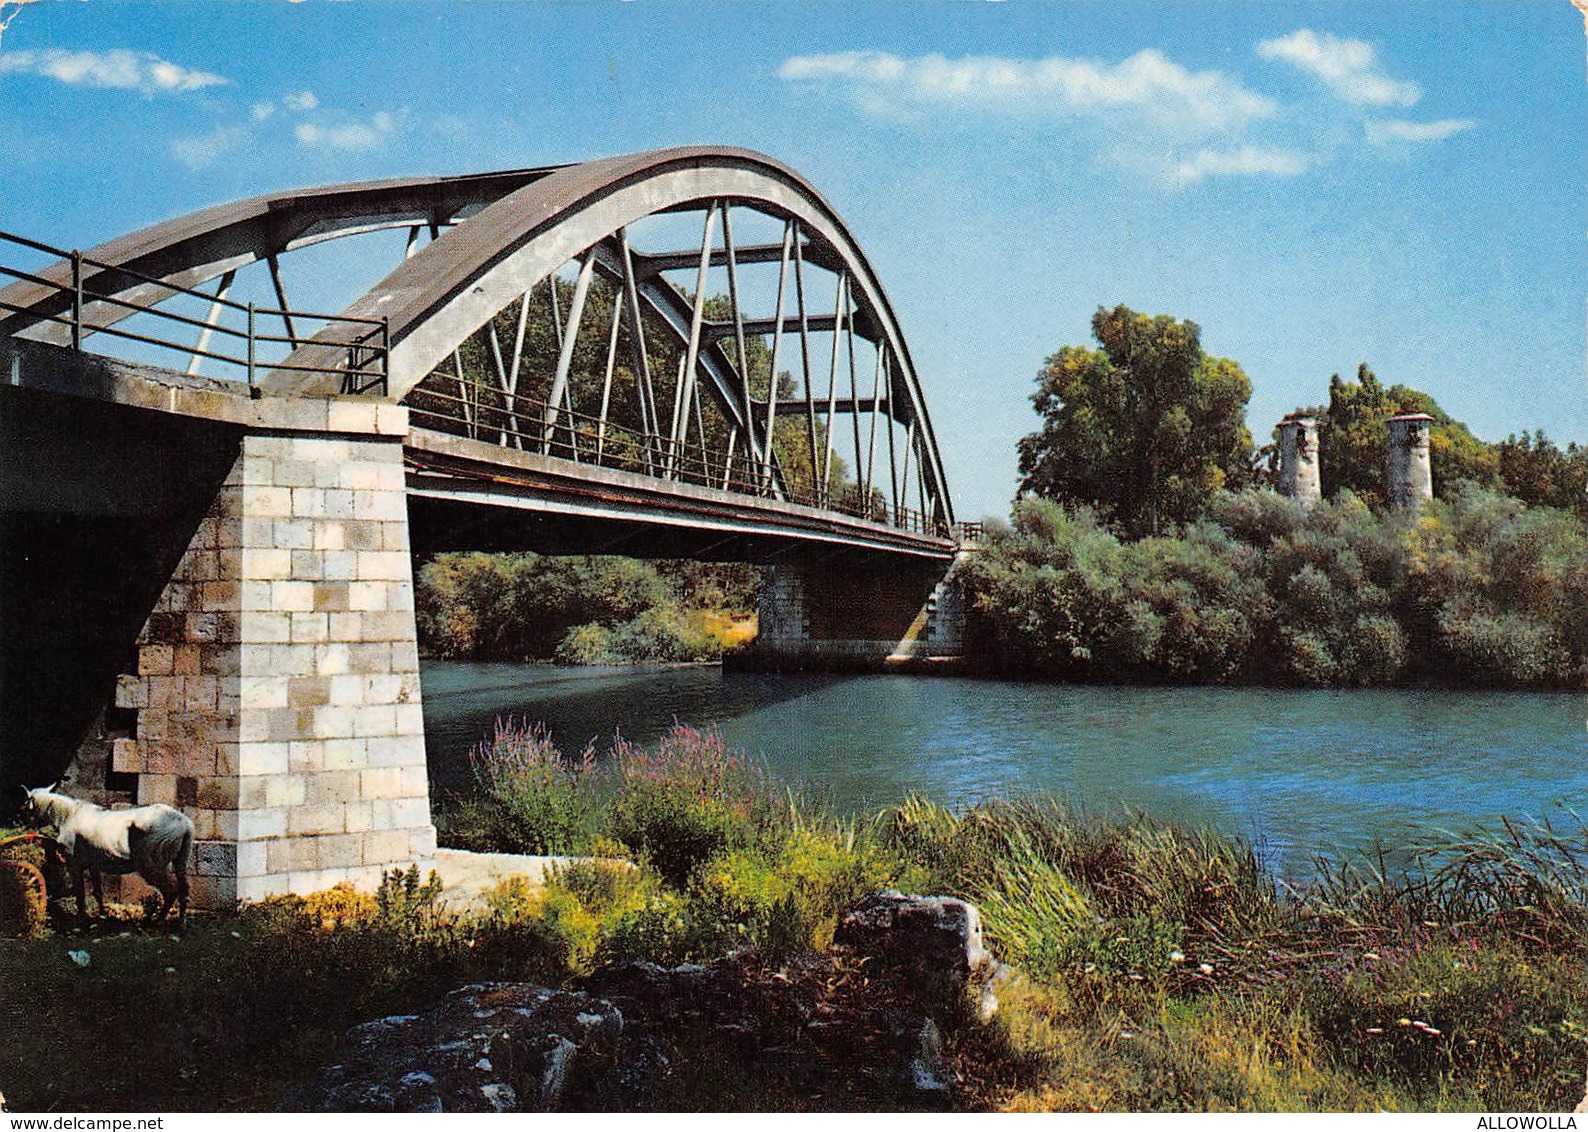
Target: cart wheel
<point x="23" y="907"/>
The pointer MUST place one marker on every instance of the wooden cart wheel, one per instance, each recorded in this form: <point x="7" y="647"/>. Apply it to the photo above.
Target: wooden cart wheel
<point x="23" y="900"/>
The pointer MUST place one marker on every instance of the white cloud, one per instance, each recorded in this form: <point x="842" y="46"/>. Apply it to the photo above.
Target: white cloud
<point x="118" y="69"/>
<point x="1387" y="131"/>
<point x="346" y="135"/>
<point x="877" y="66"/>
<point x="199" y="151"/>
<point x="1147" y="84"/>
<point x="1247" y="161"/>
<point x="299" y="102"/>
<point x="1349" y="67"/>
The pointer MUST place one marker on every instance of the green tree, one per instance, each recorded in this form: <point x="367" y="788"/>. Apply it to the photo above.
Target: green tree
<point x="1352" y="438"/>
<point x="1540" y="474"/>
<point x="1147" y="429"/>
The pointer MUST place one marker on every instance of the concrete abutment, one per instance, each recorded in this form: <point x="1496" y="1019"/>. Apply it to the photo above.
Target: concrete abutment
<point x="849" y="613"/>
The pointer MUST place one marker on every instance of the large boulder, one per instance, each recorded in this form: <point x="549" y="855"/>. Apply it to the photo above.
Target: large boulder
<point x="932" y="944"/>
<point x="489" y="1047"/>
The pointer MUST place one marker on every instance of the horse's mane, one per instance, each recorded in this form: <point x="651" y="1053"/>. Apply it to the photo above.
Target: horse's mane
<point x="58" y="807"/>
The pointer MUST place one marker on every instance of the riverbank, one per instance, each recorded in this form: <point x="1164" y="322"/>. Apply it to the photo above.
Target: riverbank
<point x="1161" y="968"/>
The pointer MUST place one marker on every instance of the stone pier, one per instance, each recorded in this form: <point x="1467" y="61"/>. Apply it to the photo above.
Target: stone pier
<point x="844" y="614"/>
<point x="1410" y="477"/>
<point x="1298" y="461"/>
<point x="276" y="697"/>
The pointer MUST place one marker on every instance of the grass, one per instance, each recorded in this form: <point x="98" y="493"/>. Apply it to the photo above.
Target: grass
<point x="1159" y="969"/>
<point x="1167" y="971"/>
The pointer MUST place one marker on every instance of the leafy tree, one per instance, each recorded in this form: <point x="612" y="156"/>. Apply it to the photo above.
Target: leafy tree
<point x="1146" y="430"/>
<point x="1540" y="474"/>
<point x="1352" y="439"/>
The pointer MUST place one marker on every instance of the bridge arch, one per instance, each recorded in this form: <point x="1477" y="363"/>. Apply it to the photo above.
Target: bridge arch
<point x="495" y="237"/>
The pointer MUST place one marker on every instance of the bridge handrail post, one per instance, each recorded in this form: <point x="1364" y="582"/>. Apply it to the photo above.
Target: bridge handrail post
<point x="385" y="354"/>
<point x="252" y="391"/>
<point x="77" y="300"/>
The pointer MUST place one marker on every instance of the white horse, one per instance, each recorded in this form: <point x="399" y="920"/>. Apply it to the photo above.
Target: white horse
<point x="153" y="841"/>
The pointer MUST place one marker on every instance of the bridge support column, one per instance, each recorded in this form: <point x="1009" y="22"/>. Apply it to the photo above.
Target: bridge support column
<point x="848" y="614"/>
<point x="277" y="691"/>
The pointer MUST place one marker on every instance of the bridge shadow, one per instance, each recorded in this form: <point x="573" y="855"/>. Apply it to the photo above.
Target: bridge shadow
<point x="98" y="502"/>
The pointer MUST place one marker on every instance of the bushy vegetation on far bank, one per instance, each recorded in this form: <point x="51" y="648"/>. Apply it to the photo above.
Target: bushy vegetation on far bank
<point x="1476" y="589"/>
<point x="1159" y="968"/>
<point x="589" y="610"/>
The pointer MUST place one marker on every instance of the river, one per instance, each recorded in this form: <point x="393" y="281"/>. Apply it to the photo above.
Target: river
<point x="1298" y="773"/>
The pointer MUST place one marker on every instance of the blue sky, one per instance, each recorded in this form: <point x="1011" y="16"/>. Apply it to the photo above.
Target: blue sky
<point x="1315" y="184"/>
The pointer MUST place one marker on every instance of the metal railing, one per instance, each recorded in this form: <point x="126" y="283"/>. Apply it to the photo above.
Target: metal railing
<point x="531" y="426"/>
<point x="364" y="347"/>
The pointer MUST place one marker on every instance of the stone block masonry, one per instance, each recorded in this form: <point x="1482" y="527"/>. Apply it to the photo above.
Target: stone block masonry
<point x="1409" y="477"/>
<point x="1298" y="461"/>
<point x="277" y="692"/>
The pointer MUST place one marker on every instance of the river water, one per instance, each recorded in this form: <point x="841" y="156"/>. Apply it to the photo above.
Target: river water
<point x="1296" y="772"/>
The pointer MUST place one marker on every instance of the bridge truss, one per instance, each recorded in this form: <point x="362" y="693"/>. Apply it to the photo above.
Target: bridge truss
<point x="699" y="315"/>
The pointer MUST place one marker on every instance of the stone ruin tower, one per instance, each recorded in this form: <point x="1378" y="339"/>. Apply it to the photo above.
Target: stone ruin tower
<point x="1410" y="479"/>
<point x="1298" y="460"/>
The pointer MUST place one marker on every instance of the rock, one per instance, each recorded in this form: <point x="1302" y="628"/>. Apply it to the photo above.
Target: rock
<point x="860" y="1027"/>
<point x="807" y="1020"/>
<point x="933" y="943"/>
<point x="489" y="1047"/>
<point x="985" y="985"/>
<point x="939" y="935"/>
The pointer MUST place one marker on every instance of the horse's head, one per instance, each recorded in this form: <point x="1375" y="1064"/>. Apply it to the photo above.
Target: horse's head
<point x="37" y="807"/>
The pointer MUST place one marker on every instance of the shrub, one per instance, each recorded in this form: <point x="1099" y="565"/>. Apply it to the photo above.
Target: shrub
<point x="1494" y="583"/>
<point x="657" y="634"/>
<point x="1049" y="595"/>
<point x="586" y="644"/>
<point x="1474" y="588"/>
<point x="1207" y="607"/>
<point x="581" y="903"/>
<point x="685" y="800"/>
<point x="534" y="799"/>
<point x="659" y="927"/>
<point x="785" y="893"/>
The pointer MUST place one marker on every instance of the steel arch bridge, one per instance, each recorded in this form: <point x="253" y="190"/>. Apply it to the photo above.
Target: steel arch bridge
<point x="696" y="317"/>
